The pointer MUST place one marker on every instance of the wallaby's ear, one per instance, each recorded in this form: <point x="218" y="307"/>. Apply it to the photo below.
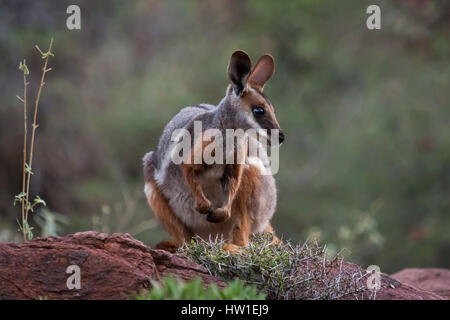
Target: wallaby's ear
<point x="263" y="70"/>
<point x="238" y="70"/>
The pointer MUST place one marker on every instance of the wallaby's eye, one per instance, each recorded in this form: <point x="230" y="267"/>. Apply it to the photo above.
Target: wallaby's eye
<point x="258" y="111"/>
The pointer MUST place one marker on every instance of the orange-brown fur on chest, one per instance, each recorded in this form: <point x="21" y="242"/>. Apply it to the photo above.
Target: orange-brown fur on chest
<point x="237" y="230"/>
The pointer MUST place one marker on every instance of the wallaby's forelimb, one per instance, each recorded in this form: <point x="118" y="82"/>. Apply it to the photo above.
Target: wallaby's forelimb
<point x="231" y="181"/>
<point x="190" y="173"/>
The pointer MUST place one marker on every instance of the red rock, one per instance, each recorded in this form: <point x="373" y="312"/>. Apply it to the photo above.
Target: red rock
<point x="112" y="267"/>
<point x="117" y="267"/>
<point x="433" y="280"/>
<point x="391" y="289"/>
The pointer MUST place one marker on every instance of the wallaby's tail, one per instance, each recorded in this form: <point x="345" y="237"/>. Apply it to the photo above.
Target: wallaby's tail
<point x="149" y="166"/>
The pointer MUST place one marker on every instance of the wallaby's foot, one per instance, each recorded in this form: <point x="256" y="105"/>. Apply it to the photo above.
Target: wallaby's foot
<point x="219" y="215"/>
<point x="276" y="240"/>
<point x="168" y="245"/>
<point x="232" y="248"/>
<point x="203" y="206"/>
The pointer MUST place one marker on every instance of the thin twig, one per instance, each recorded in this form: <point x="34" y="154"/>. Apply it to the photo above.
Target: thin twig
<point x="34" y="126"/>
<point x="25" y="84"/>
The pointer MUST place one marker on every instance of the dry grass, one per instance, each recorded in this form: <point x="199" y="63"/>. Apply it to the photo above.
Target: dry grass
<point x="282" y="271"/>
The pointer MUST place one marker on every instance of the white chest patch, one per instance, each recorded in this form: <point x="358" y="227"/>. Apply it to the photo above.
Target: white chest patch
<point x="148" y="190"/>
<point x="256" y="162"/>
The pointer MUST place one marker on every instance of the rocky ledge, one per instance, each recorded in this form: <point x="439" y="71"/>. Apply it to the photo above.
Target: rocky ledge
<point x="118" y="266"/>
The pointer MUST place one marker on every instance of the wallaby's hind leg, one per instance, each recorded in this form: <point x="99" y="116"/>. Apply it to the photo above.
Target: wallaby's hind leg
<point x="170" y="245"/>
<point x="163" y="212"/>
<point x="269" y="229"/>
<point x="241" y="206"/>
<point x="240" y="233"/>
<point x="160" y="206"/>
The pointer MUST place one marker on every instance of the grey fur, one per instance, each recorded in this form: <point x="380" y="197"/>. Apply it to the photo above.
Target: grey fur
<point x="228" y="114"/>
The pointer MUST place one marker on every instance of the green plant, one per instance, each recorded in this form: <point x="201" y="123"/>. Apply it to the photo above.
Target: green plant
<point x="281" y="270"/>
<point x="50" y="222"/>
<point x="172" y="289"/>
<point x="24" y="197"/>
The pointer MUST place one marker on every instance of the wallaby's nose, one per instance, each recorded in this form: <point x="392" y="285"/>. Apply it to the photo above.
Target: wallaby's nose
<point x="281" y="137"/>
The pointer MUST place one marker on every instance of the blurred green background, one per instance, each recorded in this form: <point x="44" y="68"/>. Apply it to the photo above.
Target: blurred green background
<point x="366" y="163"/>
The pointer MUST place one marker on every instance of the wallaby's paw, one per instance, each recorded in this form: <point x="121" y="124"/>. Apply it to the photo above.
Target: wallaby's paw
<point x="219" y="215"/>
<point x="203" y="206"/>
<point x="169" y="245"/>
<point x="232" y="248"/>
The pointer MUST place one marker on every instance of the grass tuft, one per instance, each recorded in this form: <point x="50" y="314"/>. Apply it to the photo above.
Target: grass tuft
<point x="281" y="270"/>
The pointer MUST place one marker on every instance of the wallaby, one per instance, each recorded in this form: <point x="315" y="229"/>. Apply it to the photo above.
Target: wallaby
<point x="227" y="200"/>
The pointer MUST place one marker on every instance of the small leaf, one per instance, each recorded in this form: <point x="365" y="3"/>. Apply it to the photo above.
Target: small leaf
<point x="47" y="54"/>
<point x="38" y="199"/>
<point x="28" y="169"/>
<point x="28" y="229"/>
<point x="19" y="197"/>
<point x="23" y="67"/>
